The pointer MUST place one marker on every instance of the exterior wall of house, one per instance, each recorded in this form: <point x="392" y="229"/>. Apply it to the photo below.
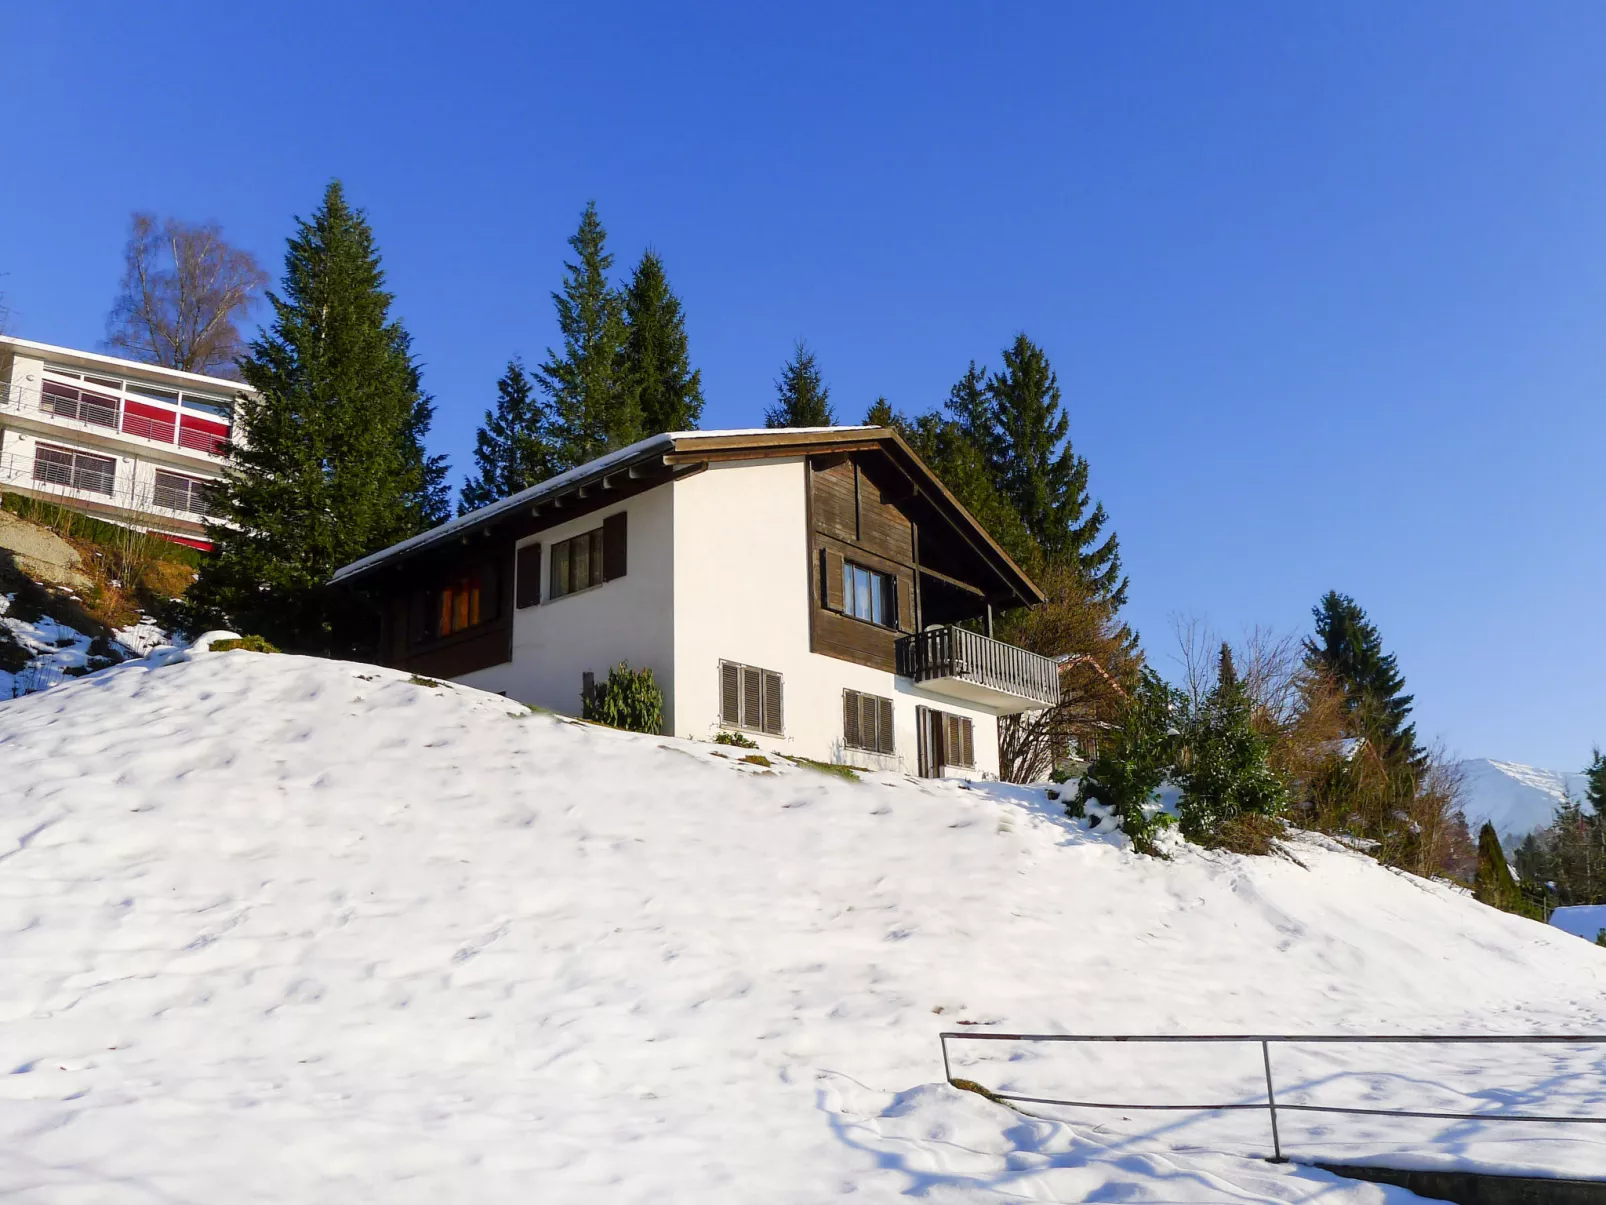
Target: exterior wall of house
<point x="129" y="492"/>
<point x="743" y="593"/>
<point x="557" y="641"/>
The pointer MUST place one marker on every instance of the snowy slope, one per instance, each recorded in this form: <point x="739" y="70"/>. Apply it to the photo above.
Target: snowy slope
<point x="290" y="930"/>
<point x="1517" y="798"/>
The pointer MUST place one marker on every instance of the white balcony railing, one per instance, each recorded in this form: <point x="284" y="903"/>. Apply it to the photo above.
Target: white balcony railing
<point x="85" y="409"/>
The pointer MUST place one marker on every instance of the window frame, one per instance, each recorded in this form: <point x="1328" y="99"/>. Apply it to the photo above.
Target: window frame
<point x="196" y="493"/>
<point x="765" y="677"/>
<point x="883" y="593"/>
<point x="595" y="563"/>
<point x="75" y="470"/>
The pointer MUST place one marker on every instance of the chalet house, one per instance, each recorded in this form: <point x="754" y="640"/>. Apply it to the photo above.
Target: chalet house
<point x="129" y="442"/>
<point x="805" y="587"/>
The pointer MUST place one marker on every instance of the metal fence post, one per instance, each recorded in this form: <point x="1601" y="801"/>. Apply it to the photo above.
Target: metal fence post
<point x="1271" y="1104"/>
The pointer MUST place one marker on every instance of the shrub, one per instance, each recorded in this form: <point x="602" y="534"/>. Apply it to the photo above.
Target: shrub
<point x="629" y="699"/>
<point x="248" y="644"/>
<point x="1222" y="765"/>
<point x="13" y="656"/>
<point x="1132" y="762"/>
<point x="735" y="738"/>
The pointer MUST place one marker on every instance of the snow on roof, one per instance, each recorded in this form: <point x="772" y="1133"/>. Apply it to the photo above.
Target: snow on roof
<point x="1581" y="920"/>
<point x="640" y="450"/>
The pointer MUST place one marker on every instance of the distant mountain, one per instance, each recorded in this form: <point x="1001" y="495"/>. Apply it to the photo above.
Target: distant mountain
<point x="1516" y="798"/>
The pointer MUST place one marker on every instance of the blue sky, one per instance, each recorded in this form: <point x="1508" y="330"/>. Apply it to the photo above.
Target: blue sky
<point x="1325" y="285"/>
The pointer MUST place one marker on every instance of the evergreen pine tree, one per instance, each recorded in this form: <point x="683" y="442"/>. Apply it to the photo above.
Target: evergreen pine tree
<point x="1595" y="784"/>
<point x="801" y="396"/>
<point x="1494" y="884"/>
<point x="332" y="466"/>
<point x="588" y="386"/>
<point x="669" y="392"/>
<point x="1349" y="650"/>
<point x="512" y="450"/>
<point x="1226" y="671"/>
<point x="1042" y="476"/>
<point x="880" y="414"/>
<point x="971" y="410"/>
<point x="1223" y="768"/>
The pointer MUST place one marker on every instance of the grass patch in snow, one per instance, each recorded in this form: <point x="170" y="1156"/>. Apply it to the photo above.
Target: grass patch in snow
<point x="246" y="644"/>
<point x="417" y="680"/>
<point x="757" y="759"/>
<point x="735" y="738"/>
<point x="824" y="767"/>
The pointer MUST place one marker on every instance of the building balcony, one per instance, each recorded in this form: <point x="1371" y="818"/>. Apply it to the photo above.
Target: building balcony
<point x="966" y="666"/>
<point x="108" y="414"/>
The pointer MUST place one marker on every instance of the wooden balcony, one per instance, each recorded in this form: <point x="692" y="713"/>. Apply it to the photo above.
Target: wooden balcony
<point x="978" y="670"/>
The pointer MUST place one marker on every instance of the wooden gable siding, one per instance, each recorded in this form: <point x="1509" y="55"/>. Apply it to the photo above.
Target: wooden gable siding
<point x="854" y="517"/>
<point x="480" y="647"/>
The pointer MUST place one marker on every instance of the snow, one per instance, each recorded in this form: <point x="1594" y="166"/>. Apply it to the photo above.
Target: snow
<point x="56" y="648"/>
<point x="1581" y="920"/>
<point x="1518" y="799"/>
<point x="285" y="929"/>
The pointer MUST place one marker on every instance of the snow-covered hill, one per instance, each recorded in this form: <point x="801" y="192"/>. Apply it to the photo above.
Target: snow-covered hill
<point x="276" y="929"/>
<point x="1518" y="799"/>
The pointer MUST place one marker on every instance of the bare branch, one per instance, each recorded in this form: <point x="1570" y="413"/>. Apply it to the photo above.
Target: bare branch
<point x="182" y="292"/>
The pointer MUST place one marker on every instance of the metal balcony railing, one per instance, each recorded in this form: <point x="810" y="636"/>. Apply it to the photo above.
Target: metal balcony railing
<point x="66" y="477"/>
<point x="966" y="656"/>
<point x="105" y="412"/>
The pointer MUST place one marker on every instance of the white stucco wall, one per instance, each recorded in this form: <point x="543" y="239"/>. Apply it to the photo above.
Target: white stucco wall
<point x="741" y="594"/>
<point x="629" y="619"/>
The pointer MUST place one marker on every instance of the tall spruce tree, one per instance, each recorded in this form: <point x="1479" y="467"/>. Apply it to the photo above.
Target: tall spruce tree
<point x="332" y="466"/>
<point x="1349" y="650"/>
<point x="801" y="396"/>
<point x="970" y="409"/>
<point x="669" y="391"/>
<point x="588" y="385"/>
<point x="512" y="450"/>
<point x="1042" y="476"/>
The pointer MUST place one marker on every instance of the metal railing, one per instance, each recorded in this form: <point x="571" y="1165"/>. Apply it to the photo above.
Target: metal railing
<point x="952" y="652"/>
<point x="68" y="483"/>
<point x="1270" y="1104"/>
<point x="91" y="411"/>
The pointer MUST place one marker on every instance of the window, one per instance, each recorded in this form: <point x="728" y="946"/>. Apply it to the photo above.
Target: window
<point x="869" y="595"/>
<point x="182" y="493"/>
<point x="867" y="722"/>
<point x="750" y="698"/>
<point x="68" y="401"/>
<point x="80" y="470"/>
<point x="945" y="739"/>
<point x="469" y="597"/>
<point x="576" y="564"/>
<point x="589" y="559"/>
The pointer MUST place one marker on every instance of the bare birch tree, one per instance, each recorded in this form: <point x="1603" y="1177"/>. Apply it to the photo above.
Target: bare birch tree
<point x="182" y="292"/>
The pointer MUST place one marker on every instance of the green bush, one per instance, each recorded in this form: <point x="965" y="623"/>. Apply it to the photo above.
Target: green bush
<point x="735" y="738"/>
<point x="1222" y="767"/>
<point x="629" y="699"/>
<point x="1133" y="760"/>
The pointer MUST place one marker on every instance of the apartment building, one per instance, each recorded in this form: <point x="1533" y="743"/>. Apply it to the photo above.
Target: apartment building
<point x="116" y="439"/>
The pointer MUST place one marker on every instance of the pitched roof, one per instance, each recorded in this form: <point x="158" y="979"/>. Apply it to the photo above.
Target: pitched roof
<point x="694" y="447"/>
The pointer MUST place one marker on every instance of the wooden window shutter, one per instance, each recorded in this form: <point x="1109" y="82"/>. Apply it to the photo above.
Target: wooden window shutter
<point x="967" y="743"/>
<point x="903" y="591"/>
<point x="772" y="704"/>
<point x="527" y="576"/>
<point x="752" y="697"/>
<point x="831" y="579"/>
<point x="490" y="591"/>
<point x="952" y="748"/>
<point x="613" y="546"/>
<point x="850" y="719"/>
<point x="730" y="693"/>
<point x="884" y="726"/>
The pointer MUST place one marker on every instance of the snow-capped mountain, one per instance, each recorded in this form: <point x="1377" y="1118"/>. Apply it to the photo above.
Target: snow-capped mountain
<point x="1518" y="799"/>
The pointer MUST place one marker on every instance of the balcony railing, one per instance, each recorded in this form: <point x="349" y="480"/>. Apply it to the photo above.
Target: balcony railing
<point x="89" y="410"/>
<point x="68" y="477"/>
<point x="968" y="665"/>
